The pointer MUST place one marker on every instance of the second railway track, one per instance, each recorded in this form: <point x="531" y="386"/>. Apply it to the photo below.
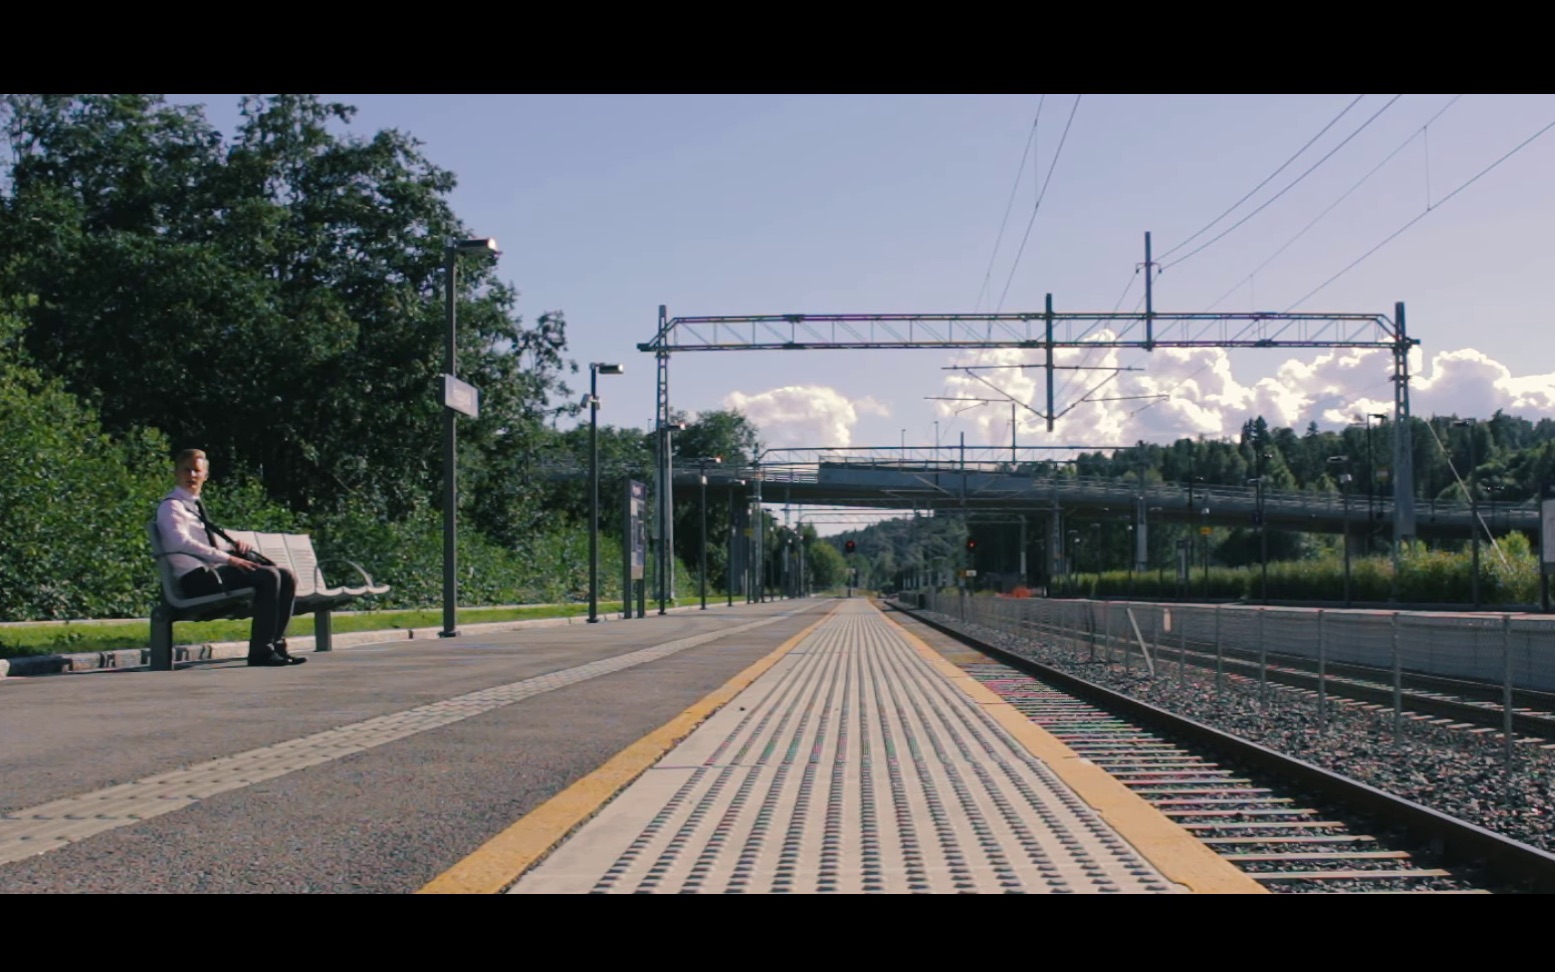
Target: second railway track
<point x="1293" y="827"/>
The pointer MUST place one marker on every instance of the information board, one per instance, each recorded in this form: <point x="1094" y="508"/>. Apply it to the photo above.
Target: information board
<point x="637" y="504"/>
<point x="461" y="397"/>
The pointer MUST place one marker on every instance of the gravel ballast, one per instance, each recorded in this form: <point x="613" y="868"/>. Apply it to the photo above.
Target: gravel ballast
<point x="1453" y="771"/>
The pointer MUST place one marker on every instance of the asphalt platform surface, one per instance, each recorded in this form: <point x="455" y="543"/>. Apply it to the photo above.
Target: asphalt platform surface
<point x="369" y="815"/>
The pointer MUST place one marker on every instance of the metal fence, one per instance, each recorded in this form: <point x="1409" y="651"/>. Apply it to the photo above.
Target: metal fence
<point x="1479" y="647"/>
<point x="1503" y="653"/>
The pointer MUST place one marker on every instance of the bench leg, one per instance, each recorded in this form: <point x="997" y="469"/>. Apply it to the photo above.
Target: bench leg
<point x="161" y="641"/>
<point x="322" y="624"/>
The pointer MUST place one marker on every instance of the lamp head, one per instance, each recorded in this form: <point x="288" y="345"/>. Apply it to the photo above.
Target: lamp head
<point x="608" y="369"/>
<point x="484" y="244"/>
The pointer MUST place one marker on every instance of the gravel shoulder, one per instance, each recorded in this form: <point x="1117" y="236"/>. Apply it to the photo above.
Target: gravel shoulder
<point x="1456" y="772"/>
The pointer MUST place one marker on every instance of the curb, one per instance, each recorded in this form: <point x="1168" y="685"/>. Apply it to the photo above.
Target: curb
<point x="131" y="658"/>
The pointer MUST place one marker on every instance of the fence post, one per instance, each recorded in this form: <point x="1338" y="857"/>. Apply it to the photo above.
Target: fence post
<point x="1398" y="683"/>
<point x="1322" y="671"/>
<point x="1220" y="662"/>
<point x="1263" y="662"/>
<point x="1182" y="645"/>
<point x="1506" y="688"/>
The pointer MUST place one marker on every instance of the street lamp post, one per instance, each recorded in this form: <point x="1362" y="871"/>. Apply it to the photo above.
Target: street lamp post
<point x="1344" y="488"/>
<point x="1204" y="540"/>
<point x="1371" y="480"/>
<point x="451" y="254"/>
<point x="702" y="463"/>
<point x="595" y="370"/>
<point x="665" y="570"/>
<point x="1263" y="528"/>
<point x="1473" y="488"/>
<point x="1160" y="576"/>
<point x="1074" y="563"/>
<point x="729" y="573"/>
<point x="1131" y="561"/>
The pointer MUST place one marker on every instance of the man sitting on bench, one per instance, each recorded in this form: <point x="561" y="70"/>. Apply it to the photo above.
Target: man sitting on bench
<point x="206" y="561"/>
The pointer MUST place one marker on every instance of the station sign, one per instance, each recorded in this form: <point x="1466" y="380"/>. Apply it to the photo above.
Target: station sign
<point x="461" y="397"/>
<point x="637" y="504"/>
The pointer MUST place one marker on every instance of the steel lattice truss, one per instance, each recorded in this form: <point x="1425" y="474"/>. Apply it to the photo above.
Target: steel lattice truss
<point x="1025" y="330"/>
<point x="1047" y="331"/>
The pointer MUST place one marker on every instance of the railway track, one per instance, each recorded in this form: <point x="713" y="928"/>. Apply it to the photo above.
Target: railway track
<point x="1458" y="703"/>
<point x="1293" y="827"/>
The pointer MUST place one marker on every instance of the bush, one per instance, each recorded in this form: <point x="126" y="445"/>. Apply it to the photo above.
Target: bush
<point x="1427" y="577"/>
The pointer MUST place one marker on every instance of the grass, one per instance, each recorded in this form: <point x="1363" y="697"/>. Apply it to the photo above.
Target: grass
<point x="79" y="636"/>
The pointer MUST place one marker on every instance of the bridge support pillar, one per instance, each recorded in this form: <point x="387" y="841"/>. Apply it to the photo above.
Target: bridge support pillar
<point x="1141" y="536"/>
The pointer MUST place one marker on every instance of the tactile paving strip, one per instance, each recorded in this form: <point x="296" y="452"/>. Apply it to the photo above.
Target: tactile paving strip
<point x="40" y="829"/>
<point x="851" y="766"/>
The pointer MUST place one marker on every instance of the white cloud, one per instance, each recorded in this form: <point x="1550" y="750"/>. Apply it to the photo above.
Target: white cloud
<point x="1203" y="397"/>
<point x="804" y="415"/>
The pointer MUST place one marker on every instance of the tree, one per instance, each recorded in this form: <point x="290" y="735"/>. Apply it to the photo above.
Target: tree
<point x="826" y="566"/>
<point x="73" y="502"/>
<point x="277" y="301"/>
<point x="730" y="436"/>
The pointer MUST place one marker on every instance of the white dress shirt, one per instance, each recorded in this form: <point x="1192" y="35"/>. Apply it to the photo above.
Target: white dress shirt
<point x="183" y="534"/>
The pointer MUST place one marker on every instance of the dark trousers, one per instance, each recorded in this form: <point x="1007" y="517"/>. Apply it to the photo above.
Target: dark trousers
<point x="275" y="595"/>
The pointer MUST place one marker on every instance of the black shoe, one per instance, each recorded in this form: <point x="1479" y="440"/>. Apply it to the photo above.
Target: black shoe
<point x="280" y="649"/>
<point x="268" y="660"/>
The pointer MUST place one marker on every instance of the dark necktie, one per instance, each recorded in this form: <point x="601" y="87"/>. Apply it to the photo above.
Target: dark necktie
<point x="210" y="529"/>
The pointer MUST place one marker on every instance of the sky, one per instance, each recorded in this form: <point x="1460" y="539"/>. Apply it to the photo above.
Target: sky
<point x="607" y="206"/>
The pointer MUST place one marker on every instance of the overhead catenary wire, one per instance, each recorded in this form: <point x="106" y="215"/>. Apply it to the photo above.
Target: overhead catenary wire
<point x="1208" y="226"/>
<point x="1009" y="206"/>
<point x="1336" y="202"/>
<point x="1041" y="194"/>
<point x="1291" y="185"/>
<point x="1479" y="520"/>
<point x="1428" y="211"/>
<point x="1333" y="205"/>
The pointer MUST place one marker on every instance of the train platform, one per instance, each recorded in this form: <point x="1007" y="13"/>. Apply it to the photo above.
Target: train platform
<point x="861" y="760"/>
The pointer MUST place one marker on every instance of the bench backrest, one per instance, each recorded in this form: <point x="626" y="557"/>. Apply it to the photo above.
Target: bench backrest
<point x="164" y="569"/>
<point x="305" y="564"/>
<point x="170" y="592"/>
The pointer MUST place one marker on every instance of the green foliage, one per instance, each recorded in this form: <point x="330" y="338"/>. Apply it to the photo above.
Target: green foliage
<point x="826" y="565"/>
<point x="276" y="300"/>
<point x="1426" y="577"/>
<point x="72" y="500"/>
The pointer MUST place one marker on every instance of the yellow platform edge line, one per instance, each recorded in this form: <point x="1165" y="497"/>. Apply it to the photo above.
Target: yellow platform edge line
<point x="1176" y="853"/>
<point x="494" y="866"/>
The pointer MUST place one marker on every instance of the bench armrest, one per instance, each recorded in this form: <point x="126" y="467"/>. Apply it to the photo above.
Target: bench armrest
<point x="367" y="580"/>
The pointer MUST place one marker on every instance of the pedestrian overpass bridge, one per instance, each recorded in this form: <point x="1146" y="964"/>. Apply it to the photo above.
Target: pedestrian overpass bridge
<point x="930" y="486"/>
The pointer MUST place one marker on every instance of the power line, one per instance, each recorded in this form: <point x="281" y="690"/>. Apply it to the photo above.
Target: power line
<point x="1288" y="243"/>
<point x="1020" y="171"/>
<point x="1040" y="196"/>
<point x="1428" y="211"/>
<point x="1314" y="222"/>
<point x="1265" y="182"/>
<point x="1289" y="187"/>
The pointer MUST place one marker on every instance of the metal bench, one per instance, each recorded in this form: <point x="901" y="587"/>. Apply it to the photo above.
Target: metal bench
<point x="293" y="551"/>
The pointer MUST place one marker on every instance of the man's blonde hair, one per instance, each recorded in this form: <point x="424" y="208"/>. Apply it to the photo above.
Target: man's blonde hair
<point x="189" y="456"/>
